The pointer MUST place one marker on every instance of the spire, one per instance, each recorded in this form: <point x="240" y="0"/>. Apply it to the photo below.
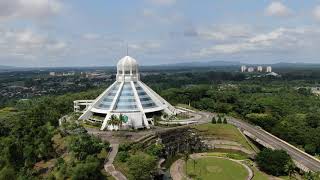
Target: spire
<point x="127" y="50"/>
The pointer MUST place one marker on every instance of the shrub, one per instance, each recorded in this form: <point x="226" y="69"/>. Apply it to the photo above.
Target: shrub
<point x="123" y="156"/>
<point x="225" y="121"/>
<point x="214" y="121"/>
<point x="274" y="162"/>
<point x="219" y="120"/>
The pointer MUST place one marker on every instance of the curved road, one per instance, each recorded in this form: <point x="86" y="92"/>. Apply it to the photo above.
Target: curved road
<point x="301" y="157"/>
<point x="304" y="159"/>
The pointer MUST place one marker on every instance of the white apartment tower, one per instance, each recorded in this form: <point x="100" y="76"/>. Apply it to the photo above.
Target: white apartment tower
<point x="243" y="68"/>
<point x="269" y="69"/>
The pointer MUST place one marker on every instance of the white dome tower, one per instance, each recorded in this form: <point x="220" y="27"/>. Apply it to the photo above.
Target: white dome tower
<point x="127" y="69"/>
<point x="129" y="97"/>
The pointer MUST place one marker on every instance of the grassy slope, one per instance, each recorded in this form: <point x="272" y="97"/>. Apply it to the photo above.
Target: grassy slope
<point x="224" y="132"/>
<point x="217" y="168"/>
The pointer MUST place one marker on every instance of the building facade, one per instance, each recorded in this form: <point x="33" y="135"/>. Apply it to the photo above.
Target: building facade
<point x="128" y="98"/>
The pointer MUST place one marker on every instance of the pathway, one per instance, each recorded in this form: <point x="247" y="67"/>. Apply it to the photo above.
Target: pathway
<point x="108" y="166"/>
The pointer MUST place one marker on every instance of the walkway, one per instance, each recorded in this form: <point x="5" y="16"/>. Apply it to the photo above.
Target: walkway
<point x="108" y="166"/>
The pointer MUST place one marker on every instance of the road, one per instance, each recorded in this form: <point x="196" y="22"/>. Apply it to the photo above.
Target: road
<point x="301" y="157"/>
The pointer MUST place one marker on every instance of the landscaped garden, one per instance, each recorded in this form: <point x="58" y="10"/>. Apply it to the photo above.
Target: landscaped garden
<point x="216" y="168"/>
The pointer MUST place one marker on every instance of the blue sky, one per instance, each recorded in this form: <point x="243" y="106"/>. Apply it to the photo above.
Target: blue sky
<point x="36" y="33"/>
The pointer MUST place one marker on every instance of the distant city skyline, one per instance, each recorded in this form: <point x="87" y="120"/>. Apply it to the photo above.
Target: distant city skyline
<point x="56" y="33"/>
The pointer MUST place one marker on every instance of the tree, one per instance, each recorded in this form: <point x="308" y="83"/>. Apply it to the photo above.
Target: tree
<point x="186" y="157"/>
<point x="194" y="165"/>
<point x="123" y="156"/>
<point x="141" y="167"/>
<point x="7" y="173"/>
<point x="313" y="120"/>
<point x="90" y="169"/>
<point x="84" y="145"/>
<point x="274" y="162"/>
<point x="290" y="168"/>
<point x="213" y="120"/>
<point x="219" y="120"/>
<point x="225" y="120"/>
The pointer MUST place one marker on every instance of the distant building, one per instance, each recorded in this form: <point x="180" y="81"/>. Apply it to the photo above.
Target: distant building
<point x="52" y="73"/>
<point x="273" y="74"/>
<point x="259" y="69"/>
<point x="243" y="68"/>
<point x="269" y="69"/>
<point x="251" y="69"/>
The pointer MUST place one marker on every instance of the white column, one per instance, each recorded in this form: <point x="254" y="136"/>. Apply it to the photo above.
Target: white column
<point x="115" y="99"/>
<point x="136" y="96"/>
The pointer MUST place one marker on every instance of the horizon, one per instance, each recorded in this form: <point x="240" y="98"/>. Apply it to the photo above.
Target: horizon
<point x="56" y="33"/>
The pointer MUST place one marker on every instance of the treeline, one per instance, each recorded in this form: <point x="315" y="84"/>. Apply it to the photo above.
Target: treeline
<point x="293" y="115"/>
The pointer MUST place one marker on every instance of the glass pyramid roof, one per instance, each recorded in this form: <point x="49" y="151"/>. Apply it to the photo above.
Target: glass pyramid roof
<point x="126" y="100"/>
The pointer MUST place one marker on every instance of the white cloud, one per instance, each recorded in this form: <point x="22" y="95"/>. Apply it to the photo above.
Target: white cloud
<point x="91" y="36"/>
<point x="29" y="9"/>
<point x="163" y="2"/>
<point x="316" y="13"/>
<point x="225" y="32"/>
<point x="281" y="39"/>
<point x="24" y="44"/>
<point x="277" y="9"/>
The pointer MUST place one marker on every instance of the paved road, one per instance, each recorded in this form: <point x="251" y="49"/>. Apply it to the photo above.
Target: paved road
<point x="297" y="155"/>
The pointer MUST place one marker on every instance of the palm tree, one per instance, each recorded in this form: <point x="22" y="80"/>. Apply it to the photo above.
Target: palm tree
<point x="113" y="120"/>
<point x="194" y="166"/>
<point x="186" y="158"/>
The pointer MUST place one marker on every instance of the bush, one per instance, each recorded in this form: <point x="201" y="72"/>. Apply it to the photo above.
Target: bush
<point x="274" y="162"/>
<point x="141" y="167"/>
<point x="213" y="121"/>
<point x="125" y="147"/>
<point x="225" y="121"/>
<point x="219" y="120"/>
<point x="123" y="156"/>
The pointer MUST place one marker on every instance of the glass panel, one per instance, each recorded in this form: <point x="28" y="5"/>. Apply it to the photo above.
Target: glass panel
<point x="126" y="99"/>
<point x="145" y="99"/>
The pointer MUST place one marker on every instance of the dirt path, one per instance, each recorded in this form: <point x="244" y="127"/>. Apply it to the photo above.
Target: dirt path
<point x="177" y="170"/>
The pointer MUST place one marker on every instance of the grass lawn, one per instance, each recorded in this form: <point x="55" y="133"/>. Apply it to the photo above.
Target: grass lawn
<point x="224" y="132"/>
<point x="216" y="168"/>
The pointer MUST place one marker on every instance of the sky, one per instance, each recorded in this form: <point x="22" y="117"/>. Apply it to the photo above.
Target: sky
<point x="57" y="33"/>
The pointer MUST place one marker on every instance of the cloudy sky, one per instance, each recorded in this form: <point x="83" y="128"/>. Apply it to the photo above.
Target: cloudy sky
<point x="37" y="33"/>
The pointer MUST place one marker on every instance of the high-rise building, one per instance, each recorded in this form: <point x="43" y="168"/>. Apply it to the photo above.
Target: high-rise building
<point x="250" y="69"/>
<point x="269" y="69"/>
<point x="128" y="98"/>
<point x="243" y="68"/>
<point x="259" y="69"/>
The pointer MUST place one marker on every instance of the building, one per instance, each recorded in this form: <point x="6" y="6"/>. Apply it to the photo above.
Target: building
<point x="243" y="68"/>
<point x="250" y="69"/>
<point x="127" y="96"/>
<point x="259" y="69"/>
<point x="52" y="74"/>
<point x="269" y="69"/>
